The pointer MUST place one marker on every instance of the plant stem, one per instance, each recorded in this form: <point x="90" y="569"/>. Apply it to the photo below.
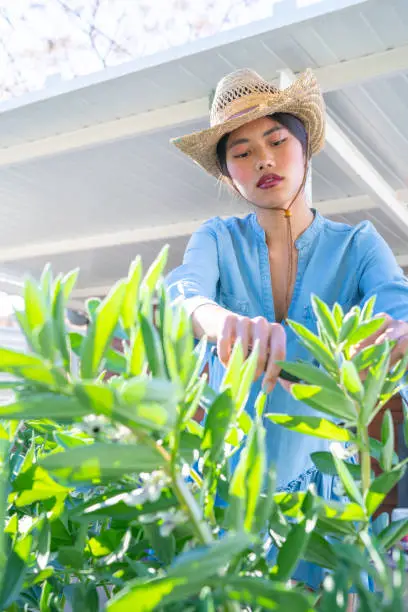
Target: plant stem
<point x="182" y="492"/>
<point x="365" y="461"/>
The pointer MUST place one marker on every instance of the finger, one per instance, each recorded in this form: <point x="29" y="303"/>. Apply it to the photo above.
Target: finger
<point x="286" y="384"/>
<point x="399" y="351"/>
<point x="261" y="333"/>
<point x="277" y="352"/>
<point x="243" y="325"/>
<point x="373" y="337"/>
<point x="226" y="339"/>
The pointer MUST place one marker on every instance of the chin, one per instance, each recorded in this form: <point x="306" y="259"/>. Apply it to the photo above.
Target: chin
<point x="273" y="202"/>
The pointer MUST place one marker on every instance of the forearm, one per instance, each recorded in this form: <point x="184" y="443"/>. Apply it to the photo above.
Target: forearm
<point x="207" y="320"/>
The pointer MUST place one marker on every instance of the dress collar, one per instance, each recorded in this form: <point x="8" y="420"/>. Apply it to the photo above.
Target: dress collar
<point x="304" y="239"/>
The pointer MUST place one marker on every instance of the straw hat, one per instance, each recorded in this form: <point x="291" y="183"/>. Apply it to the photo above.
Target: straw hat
<point x="243" y="96"/>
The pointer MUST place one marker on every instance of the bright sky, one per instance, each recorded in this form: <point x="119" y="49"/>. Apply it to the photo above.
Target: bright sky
<point x="43" y="38"/>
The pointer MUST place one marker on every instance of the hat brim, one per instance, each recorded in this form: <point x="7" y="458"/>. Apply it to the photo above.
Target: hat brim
<point x="303" y="99"/>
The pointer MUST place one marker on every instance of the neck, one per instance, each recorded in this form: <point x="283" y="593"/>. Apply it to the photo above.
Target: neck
<point x="274" y="223"/>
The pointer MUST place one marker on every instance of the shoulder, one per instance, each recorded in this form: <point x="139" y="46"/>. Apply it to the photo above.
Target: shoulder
<point x="363" y="233"/>
<point x="219" y="226"/>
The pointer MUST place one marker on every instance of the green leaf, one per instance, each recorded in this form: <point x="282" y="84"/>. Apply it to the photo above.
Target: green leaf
<point x="320" y="552"/>
<point x="146" y="596"/>
<point x="266" y="501"/>
<point x="34" y="485"/>
<point x="189" y="573"/>
<point x="237" y="494"/>
<point x="200" y="352"/>
<point x="102" y="462"/>
<point x="68" y="440"/>
<point x="131" y="299"/>
<point x="263" y="594"/>
<point x="35" y="307"/>
<point x="216" y="425"/>
<point x="153" y="276"/>
<point x="246" y="377"/>
<point x="387" y="439"/>
<point x="25" y="366"/>
<point x="325" y="400"/>
<point x="325" y="463"/>
<point x="101" y="331"/>
<point x="347" y="479"/>
<point x="368" y="357"/>
<point x="119" y="507"/>
<point x="325" y="318"/>
<point x="334" y="598"/>
<point x="163" y="546"/>
<point x="137" y="358"/>
<point x="12" y="580"/>
<point x="60" y="332"/>
<point x="373" y="385"/>
<point x="72" y="557"/>
<point x="351" y="380"/>
<point x="115" y="362"/>
<point x="350" y="323"/>
<point x="380" y="488"/>
<point x="255" y="473"/>
<point x="315" y="346"/>
<point x="91" y="307"/>
<point x="312" y="426"/>
<point x="68" y="283"/>
<point x="44" y="544"/>
<point x="393" y="533"/>
<point x="405" y="424"/>
<point x="96" y="397"/>
<point x="291" y="505"/>
<point x="365" y="330"/>
<point x="293" y="549"/>
<point x="368" y="309"/>
<point x="338" y="314"/>
<point x="44" y="406"/>
<point x="153" y="348"/>
<point x="376" y="450"/>
<point x="309" y="373"/>
<point x="232" y="376"/>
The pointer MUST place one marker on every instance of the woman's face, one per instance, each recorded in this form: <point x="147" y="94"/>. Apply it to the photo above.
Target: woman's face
<point x="266" y="163"/>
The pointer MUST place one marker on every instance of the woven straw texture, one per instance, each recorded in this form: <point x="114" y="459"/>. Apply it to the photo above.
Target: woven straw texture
<point x="244" y="96"/>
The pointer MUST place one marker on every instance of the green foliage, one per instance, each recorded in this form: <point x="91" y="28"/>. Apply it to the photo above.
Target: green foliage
<point x="108" y="486"/>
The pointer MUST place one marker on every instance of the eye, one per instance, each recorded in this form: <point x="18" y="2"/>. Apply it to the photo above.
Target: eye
<point x="241" y="155"/>
<point x="276" y="143"/>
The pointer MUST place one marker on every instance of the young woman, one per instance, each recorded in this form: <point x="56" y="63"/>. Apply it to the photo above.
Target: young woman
<point x="243" y="277"/>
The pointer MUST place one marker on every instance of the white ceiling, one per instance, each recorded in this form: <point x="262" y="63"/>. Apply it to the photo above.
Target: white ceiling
<point x="88" y="177"/>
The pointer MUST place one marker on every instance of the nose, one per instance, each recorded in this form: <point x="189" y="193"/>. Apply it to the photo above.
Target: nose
<point x="263" y="164"/>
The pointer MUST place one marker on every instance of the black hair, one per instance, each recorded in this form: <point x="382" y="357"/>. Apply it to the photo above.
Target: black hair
<point x="294" y="125"/>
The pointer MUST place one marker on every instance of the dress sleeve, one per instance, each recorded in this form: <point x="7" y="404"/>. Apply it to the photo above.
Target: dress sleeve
<point x="379" y="274"/>
<point x="194" y="283"/>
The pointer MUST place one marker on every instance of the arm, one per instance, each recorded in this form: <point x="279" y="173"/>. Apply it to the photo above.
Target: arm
<point x="380" y="275"/>
<point x="194" y="283"/>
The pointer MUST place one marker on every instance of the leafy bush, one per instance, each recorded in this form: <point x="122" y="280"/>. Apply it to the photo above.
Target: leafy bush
<point x="109" y="487"/>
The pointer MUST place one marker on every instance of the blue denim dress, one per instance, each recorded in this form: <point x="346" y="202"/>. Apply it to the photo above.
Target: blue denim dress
<point x="227" y="263"/>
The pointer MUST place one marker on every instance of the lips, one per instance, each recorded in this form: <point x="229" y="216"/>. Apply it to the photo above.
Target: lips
<point x="269" y="180"/>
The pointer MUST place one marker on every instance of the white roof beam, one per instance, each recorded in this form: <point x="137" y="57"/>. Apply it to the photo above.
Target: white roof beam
<point x="330" y="78"/>
<point x="159" y="232"/>
<point x="346" y="155"/>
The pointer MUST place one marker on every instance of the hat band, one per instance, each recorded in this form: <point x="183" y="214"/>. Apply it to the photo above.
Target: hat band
<point x="240" y="106"/>
<point x="242" y="112"/>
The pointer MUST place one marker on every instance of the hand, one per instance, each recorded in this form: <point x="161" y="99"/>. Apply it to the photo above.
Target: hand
<point x="391" y="329"/>
<point x="270" y="336"/>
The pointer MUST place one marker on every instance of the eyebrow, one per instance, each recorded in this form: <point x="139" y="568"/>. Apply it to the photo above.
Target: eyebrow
<point x="238" y="141"/>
